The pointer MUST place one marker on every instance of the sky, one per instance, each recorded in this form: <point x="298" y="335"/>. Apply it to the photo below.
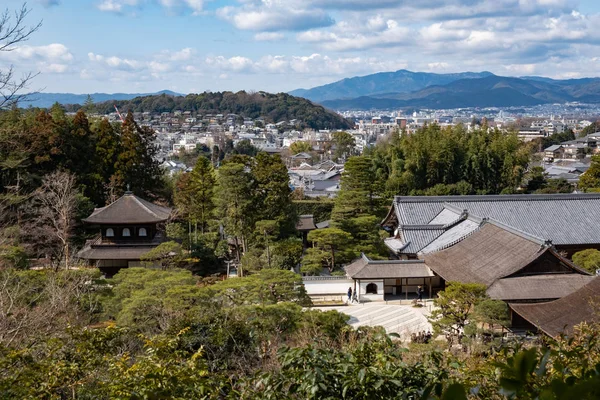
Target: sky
<point x="192" y="46"/>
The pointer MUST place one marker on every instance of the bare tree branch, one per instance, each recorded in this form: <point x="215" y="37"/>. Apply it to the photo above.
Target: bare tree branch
<point x="13" y="30"/>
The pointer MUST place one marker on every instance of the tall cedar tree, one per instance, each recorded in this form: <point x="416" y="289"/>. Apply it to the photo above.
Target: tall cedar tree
<point x="195" y="194"/>
<point x="107" y="150"/>
<point x="136" y="165"/>
<point x="236" y="207"/>
<point x="357" y="190"/>
<point x="355" y="207"/>
<point x="273" y="192"/>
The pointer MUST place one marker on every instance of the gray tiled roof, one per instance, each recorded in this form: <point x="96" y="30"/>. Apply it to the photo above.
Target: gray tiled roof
<point x="561" y="218"/>
<point x="417" y="237"/>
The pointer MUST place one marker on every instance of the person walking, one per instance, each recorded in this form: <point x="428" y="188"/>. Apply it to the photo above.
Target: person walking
<point x="349" y="294"/>
<point x="420" y="293"/>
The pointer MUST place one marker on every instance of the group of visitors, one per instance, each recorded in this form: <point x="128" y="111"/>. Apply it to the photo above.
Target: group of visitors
<point x="352" y="298"/>
<point x="421" y="337"/>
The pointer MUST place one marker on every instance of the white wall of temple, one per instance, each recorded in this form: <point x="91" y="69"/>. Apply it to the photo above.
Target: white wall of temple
<point x="364" y="285"/>
<point x="315" y="286"/>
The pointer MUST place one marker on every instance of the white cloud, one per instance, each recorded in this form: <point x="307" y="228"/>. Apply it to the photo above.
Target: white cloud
<point x="274" y="16"/>
<point x="54" y="68"/>
<point x="268" y="36"/>
<point x="121" y="6"/>
<point x="54" y="51"/>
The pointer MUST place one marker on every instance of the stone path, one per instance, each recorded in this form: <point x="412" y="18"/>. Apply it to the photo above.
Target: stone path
<point x="401" y="319"/>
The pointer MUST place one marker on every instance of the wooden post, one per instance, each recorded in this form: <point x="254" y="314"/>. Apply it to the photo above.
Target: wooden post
<point x="406" y="289"/>
<point x="430" y="283"/>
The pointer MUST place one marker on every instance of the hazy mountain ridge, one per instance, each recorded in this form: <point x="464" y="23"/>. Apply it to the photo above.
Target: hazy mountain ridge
<point x="488" y="91"/>
<point x="401" y="81"/>
<point x="44" y="100"/>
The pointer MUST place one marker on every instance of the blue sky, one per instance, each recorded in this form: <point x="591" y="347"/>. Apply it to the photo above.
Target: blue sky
<point x="87" y="46"/>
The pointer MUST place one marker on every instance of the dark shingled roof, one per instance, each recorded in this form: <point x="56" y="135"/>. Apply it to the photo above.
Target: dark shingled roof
<point x="560" y="316"/>
<point x="561" y="218"/>
<point x="537" y="287"/>
<point x="306" y="223"/>
<point x="492" y="252"/>
<point x="129" y="209"/>
<point x="365" y="268"/>
<point x="485" y="256"/>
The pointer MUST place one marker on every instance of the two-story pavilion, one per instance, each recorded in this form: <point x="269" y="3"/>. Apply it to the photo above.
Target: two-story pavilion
<point x="128" y="228"/>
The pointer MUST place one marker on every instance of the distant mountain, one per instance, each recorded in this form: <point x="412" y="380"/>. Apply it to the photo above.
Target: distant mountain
<point x="488" y="91"/>
<point x="401" y="81"/>
<point x="45" y="100"/>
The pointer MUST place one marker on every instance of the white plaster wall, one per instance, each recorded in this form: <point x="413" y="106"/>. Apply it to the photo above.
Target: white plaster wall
<point x="371" y="297"/>
<point x="323" y="287"/>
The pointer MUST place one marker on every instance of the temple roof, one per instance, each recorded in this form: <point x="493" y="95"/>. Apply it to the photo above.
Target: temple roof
<point x="306" y="223"/>
<point x="537" y="287"/>
<point x="560" y="316"/>
<point x="562" y="218"/>
<point x="115" y="252"/>
<point x="489" y="253"/>
<point x="365" y="268"/>
<point x="129" y="209"/>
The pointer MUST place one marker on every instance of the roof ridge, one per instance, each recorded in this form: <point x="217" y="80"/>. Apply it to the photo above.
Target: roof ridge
<point x="518" y="232"/>
<point x="496" y="197"/>
<point x="140" y="202"/>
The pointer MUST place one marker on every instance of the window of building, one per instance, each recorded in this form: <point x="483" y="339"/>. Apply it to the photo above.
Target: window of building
<point x="126" y="232"/>
<point x="371" y="288"/>
<point x="142" y="232"/>
<point x="110" y="232"/>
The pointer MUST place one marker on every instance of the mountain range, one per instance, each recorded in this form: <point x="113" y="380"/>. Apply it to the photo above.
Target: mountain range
<point x="406" y="89"/>
<point x="44" y="100"/>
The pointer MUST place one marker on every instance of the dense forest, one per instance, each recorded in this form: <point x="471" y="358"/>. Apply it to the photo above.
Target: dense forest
<point x="272" y="107"/>
<point x="152" y="334"/>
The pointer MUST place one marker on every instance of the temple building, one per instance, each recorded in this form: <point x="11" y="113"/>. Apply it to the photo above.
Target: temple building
<point x="127" y="229"/>
<point x="422" y="224"/>
<point x="560" y="316"/>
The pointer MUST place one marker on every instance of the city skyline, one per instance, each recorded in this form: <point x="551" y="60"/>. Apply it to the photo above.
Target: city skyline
<point x="280" y="45"/>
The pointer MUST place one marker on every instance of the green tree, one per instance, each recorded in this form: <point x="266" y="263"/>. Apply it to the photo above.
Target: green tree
<point x="245" y="147"/>
<point x="328" y="243"/>
<point x="588" y="259"/>
<point x="234" y="200"/>
<point x="273" y="192"/>
<point x="344" y="144"/>
<point x="493" y="313"/>
<point x="591" y="178"/>
<point x="136" y="164"/>
<point x="165" y="255"/>
<point x="300" y="147"/>
<point x="358" y="188"/>
<point x="88" y="104"/>
<point x="455" y="306"/>
<point x="195" y="195"/>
